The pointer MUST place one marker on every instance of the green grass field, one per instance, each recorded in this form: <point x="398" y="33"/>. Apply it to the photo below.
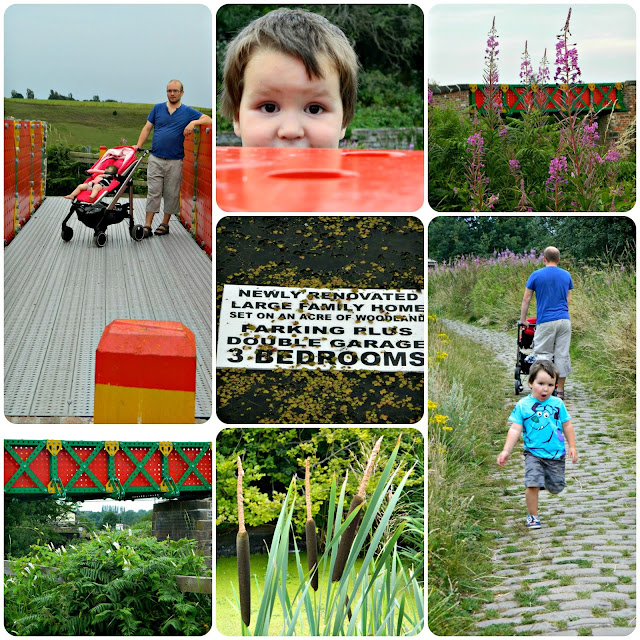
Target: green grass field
<point x="78" y="123"/>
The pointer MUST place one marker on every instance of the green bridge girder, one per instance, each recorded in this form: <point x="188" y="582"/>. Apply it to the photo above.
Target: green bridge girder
<point x="82" y="470"/>
<point x="514" y="98"/>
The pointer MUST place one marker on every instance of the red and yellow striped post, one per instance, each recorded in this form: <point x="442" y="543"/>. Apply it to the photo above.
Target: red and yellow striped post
<point x="145" y="373"/>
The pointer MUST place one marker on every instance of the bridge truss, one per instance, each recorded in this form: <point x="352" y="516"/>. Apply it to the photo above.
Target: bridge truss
<point x="84" y="470"/>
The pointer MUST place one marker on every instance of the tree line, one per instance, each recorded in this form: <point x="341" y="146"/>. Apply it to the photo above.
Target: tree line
<point x="584" y="238"/>
<point x="55" y="95"/>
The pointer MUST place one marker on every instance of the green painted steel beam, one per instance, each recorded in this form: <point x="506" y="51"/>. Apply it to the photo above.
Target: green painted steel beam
<point x="46" y="453"/>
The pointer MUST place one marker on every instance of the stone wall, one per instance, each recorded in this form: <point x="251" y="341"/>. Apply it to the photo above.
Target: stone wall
<point x="455" y="96"/>
<point x="363" y="138"/>
<point x="177" y="519"/>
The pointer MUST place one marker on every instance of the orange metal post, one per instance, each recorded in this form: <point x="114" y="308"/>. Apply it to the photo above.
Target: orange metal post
<point x="145" y="373"/>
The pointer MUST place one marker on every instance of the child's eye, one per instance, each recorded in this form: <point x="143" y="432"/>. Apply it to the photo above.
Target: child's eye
<point x="268" y="107"/>
<point x="315" y="109"/>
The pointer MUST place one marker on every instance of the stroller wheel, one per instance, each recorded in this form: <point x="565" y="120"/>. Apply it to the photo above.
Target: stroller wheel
<point x="67" y="233"/>
<point x="100" y="239"/>
<point x="137" y="232"/>
<point x="517" y="387"/>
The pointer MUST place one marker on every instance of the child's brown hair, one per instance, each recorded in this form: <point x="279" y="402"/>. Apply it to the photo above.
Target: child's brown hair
<point x="546" y="365"/>
<point x="302" y="34"/>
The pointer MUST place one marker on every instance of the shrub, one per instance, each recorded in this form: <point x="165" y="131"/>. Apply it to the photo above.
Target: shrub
<point x="111" y="585"/>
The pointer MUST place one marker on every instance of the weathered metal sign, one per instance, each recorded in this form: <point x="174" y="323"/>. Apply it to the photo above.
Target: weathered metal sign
<point x="265" y="327"/>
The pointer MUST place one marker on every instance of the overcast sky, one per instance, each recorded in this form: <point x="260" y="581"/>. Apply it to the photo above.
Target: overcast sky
<point x="127" y="52"/>
<point x="457" y="35"/>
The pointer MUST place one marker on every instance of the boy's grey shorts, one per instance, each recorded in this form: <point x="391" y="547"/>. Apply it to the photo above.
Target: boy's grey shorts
<point x="544" y="473"/>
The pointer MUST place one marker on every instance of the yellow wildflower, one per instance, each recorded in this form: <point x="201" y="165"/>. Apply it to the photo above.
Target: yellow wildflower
<point x="447" y="428"/>
<point x="432" y="316"/>
<point x="440" y="419"/>
<point x="441" y="355"/>
<point x="431" y="405"/>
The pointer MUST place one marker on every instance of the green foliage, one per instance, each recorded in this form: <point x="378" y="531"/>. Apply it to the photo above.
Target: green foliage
<point x="533" y="141"/>
<point x="380" y="597"/>
<point x="272" y="456"/>
<point x="27" y="523"/>
<point x="578" y="238"/>
<point x="111" y="585"/>
<point x="63" y="174"/>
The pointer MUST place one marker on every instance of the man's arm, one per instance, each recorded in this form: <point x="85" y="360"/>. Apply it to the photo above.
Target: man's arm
<point x="568" y="297"/>
<point x="144" y="134"/>
<point x="203" y="119"/>
<point x="528" y="294"/>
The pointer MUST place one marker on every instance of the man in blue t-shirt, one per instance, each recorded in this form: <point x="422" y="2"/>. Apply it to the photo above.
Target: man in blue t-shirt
<point x="552" y="286"/>
<point x="171" y="121"/>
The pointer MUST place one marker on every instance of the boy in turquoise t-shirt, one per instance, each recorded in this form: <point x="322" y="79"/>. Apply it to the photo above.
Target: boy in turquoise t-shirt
<point x="543" y="421"/>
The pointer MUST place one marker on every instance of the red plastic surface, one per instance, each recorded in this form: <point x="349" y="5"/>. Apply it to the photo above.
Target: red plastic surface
<point x="265" y="179"/>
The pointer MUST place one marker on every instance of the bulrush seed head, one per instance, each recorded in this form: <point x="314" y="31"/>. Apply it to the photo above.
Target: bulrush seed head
<point x="243" y="554"/>
<point x="349" y="535"/>
<point x="310" y="529"/>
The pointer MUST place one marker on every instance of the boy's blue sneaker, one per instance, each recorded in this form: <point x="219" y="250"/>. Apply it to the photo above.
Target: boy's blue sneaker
<point x="533" y="522"/>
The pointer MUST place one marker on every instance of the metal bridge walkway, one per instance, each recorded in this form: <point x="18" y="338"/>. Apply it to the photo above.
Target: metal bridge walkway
<point x="59" y="296"/>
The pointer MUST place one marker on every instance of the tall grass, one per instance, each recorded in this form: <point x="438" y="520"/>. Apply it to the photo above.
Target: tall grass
<point x="382" y="597"/>
<point x="603" y="310"/>
<point x="465" y="432"/>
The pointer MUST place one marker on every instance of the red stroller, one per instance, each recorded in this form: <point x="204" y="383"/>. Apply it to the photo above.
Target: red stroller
<point x="98" y="214"/>
<point x="525" y="349"/>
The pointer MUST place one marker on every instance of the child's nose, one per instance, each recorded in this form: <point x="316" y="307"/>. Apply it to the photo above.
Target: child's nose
<point x="290" y="128"/>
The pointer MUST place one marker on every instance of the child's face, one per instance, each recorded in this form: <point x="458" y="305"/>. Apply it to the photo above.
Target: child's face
<point x="282" y="107"/>
<point x="543" y="386"/>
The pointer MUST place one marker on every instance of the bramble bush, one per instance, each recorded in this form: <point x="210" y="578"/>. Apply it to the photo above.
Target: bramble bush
<point x="537" y="163"/>
<point x="113" y="585"/>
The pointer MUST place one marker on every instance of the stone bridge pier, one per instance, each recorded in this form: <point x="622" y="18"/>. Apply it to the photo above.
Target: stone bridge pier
<point x="177" y="519"/>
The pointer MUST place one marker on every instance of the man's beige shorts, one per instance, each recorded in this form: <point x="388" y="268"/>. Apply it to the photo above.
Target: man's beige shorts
<point x="164" y="178"/>
<point x="551" y="342"/>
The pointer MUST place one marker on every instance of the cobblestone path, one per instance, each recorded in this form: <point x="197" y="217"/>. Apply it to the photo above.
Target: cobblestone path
<point x="575" y="575"/>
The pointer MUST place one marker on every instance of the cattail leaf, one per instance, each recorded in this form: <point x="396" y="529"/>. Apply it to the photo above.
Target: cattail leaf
<point x="312" y="552"/>
<point x="346" y="541"/>
<point x="280" y="539"/>
<point x="244" y="575"/>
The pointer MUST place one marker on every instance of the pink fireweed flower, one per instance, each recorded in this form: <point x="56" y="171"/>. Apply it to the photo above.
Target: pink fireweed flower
<point x="475" y="140"/>
<point x="566" y="59"/>
<point x="429" y="96"/>
<point x="493" y="98"/>
<point x="526" y="70"/>
<point x="492" y="201"/>
<point x="557" y="174"/>
<point x="503" y="132"/>
<point x="612" y="155"/>
<point x="543" y="70"/>
<point x="590" y="136"/>
<point x="514" y="165"/>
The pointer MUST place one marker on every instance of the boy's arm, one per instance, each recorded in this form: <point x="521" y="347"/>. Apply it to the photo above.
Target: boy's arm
<point x="567" y="428"/>
<point x="512" y="437"/>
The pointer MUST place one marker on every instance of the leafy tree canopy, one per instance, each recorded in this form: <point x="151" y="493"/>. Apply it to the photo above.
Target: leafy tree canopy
<point x="271" y="458"/>
<point x="582" y="237"/>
